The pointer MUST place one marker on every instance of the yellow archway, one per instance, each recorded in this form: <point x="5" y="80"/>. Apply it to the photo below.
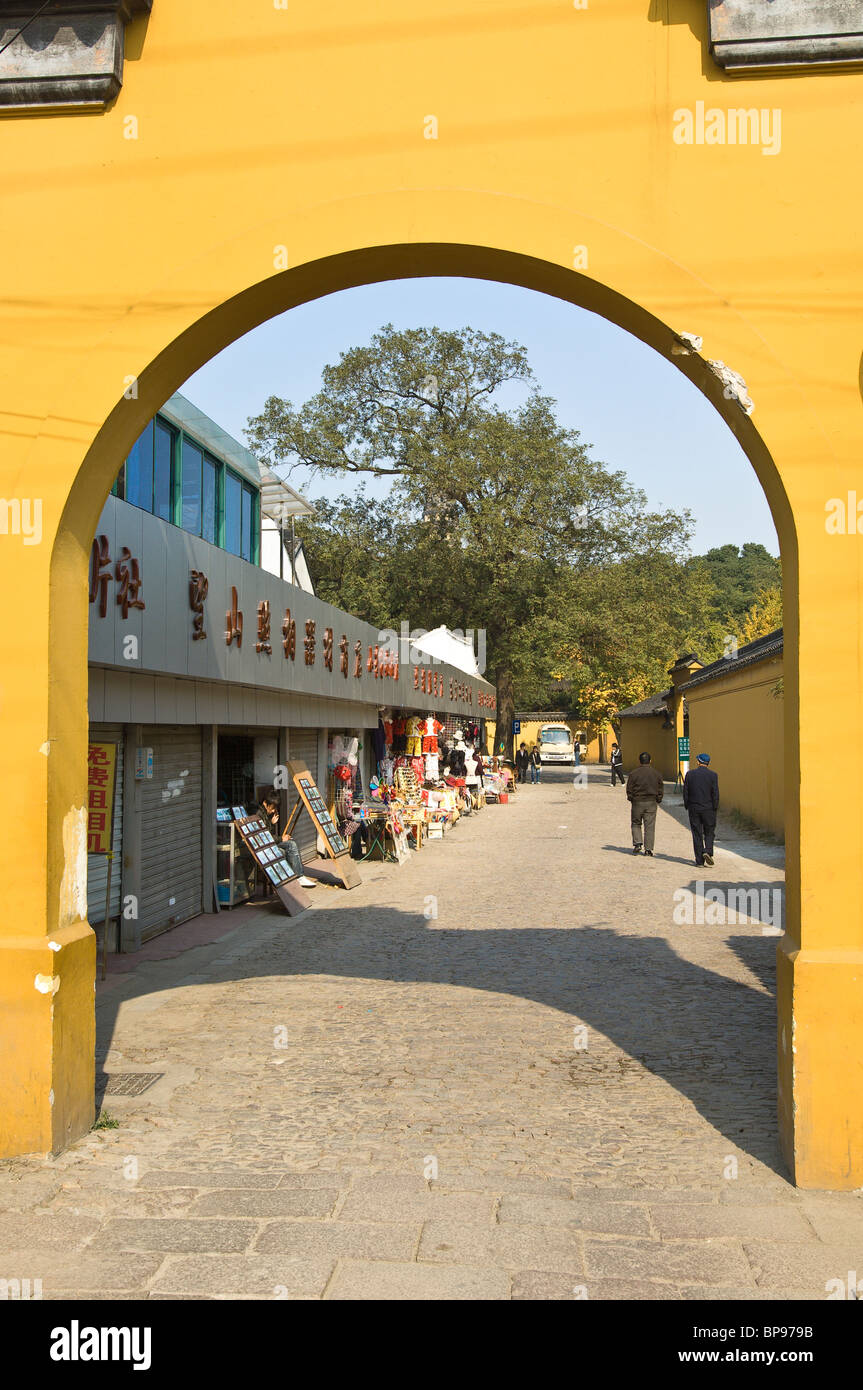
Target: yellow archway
<point x="135" y="259"/>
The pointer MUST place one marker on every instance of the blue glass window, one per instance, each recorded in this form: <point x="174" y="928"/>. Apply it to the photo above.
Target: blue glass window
<point x="210" y="512"/>
<point x="247" y="524"/>
<point x="191" y="492"/>
<point x="139" y="471"/>
<point x="233" y="513"/>
<point x="162" y="472"/>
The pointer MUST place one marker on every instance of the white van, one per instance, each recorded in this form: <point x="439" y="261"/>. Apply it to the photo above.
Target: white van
<point x="555" y="744"/>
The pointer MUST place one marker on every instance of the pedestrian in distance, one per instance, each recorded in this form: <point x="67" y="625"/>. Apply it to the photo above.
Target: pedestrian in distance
<point x="701" y="800"/>
<point x="522" y="762"/>
<point x="617" y="765"/>
<point x="644" y="792"/>
<point x="535" y="764"/>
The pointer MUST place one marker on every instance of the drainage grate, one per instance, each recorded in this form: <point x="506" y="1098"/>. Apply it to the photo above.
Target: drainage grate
<point x="131" y="1083"/>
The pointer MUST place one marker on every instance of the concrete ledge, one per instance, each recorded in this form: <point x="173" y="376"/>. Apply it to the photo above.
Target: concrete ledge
<point x="746" y="36"/>
<point x="68" y="59"/>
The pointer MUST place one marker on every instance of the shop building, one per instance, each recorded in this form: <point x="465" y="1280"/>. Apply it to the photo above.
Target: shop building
<point x="208" y="671"/>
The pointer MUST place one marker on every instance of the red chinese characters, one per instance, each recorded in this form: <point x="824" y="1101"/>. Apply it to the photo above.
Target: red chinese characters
<point x="289" y="636"/>
<point x="198" y="587"/>
<point x="233" y="622"/>
<point x="309" y="642"/>
<point x="263" y="643"/>
<point x="127" y="572"/>
<point x="328" y="648"/>
<point x="100" y="573"/>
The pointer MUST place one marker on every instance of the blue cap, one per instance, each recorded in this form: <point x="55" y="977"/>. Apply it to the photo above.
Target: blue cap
<point x="704" y="758"/>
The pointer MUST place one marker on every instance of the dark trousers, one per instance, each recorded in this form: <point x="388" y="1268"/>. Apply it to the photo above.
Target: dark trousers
<point x="643" y="817"/>
<point x="702" y="823"/>
<point x="617" y="771"/>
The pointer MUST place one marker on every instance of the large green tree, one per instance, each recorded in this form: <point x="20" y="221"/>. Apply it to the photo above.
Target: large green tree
<point x="495" y="515"/>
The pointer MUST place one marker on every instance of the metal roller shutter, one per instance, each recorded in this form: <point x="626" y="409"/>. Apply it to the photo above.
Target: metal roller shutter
<point x="303" y="748"/>
<point x="97" y="864"/>
<point x="171" y="851"/>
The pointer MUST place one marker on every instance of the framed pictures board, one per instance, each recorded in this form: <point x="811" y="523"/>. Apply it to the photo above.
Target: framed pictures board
<point x="264" y="849"/>
<point x="337" y="848"/>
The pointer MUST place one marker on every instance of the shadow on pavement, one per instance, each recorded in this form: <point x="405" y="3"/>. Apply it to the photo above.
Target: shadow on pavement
<point x="709" y="1037"/>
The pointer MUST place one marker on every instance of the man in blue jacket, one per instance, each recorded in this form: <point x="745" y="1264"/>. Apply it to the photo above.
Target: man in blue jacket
<point x="701" y="800"/>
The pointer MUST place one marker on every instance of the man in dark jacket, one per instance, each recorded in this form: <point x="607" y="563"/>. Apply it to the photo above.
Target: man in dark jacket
<point x="701" y="800"/>
<point x="522" y="762"/>
<point x="644" y="789"/>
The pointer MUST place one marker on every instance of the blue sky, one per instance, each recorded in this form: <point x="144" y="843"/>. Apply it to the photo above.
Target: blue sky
<point x="637" y="412"/>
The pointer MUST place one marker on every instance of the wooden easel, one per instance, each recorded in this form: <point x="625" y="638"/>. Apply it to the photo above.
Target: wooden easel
<point x="311" y="800"/>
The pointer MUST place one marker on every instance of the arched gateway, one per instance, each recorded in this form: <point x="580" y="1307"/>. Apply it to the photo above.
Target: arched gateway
<point x="250" y="158"/>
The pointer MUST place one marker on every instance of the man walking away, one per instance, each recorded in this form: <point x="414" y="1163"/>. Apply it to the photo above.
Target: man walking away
<point x="616" y="765"/>
<point x="701" y="800"/>
<point x="522" y="759"/>
<point x="644" y="790"/>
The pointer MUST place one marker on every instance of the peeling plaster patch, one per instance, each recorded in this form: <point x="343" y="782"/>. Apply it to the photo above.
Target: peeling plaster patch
<point x="686" y="345"/>
<point x="73" y="887"/>
<point x="47" y="984"/>
<point x="45" y="748"/>
<point x="55" y="945"/>
<point x="51" y="1096"/>
<point x="735" y="386"/>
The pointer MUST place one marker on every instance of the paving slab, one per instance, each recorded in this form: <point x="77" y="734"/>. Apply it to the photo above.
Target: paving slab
<point x="363" y="1280"/>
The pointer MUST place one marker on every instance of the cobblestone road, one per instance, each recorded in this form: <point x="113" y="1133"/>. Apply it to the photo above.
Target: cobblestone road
<point x="501" y="1071"/>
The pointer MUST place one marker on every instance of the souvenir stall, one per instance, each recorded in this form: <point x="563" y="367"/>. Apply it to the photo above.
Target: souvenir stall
<point x="428" y="774"/>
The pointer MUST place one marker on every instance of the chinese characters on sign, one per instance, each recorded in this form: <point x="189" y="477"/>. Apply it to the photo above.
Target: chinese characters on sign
<point x="127" y="574"/>
<point x="379" y="662"/>
<point x="101" y="759"/>
<point x="383" y="663"/>
<point x="289" y="635"/>
<point x="198" y="586"/>
<point x="233" y="622"/>
<point x="100" y="573"/>
<point x="432" y="682"/>
<point x="263" y="643"/>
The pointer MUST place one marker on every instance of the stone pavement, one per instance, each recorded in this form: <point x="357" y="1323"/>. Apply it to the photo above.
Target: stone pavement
<point x="503" y="1070"/>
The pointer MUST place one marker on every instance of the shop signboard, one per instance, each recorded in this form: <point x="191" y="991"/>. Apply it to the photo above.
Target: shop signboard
<point x="101" y="772"/>
<point x="683" y="750"/>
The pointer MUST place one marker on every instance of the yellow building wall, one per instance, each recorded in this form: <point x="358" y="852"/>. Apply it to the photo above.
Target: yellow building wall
<point x="740" y="722"/>
<point x="257" y="158"/>
<point x="645" y="734"/>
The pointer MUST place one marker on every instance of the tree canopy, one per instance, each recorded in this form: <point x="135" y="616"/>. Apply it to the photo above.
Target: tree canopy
<point x="499" y="519"/>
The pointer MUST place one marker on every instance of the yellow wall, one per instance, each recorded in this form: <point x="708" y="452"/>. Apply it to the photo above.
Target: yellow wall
<point x="740" y="722"/>
<point x="137" y="242"/>
<point x="646" y="735"/>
